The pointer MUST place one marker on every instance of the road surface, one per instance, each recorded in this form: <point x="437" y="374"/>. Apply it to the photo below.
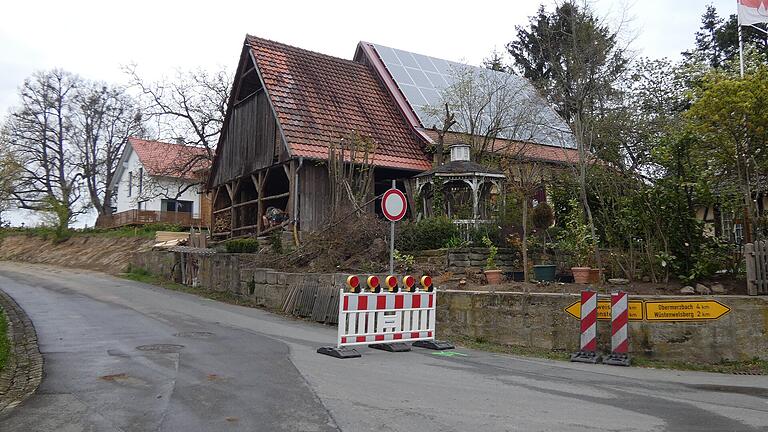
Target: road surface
<point x="126" y="356"/>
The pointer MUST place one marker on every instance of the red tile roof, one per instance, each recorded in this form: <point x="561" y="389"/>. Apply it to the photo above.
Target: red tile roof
<point x="320" y="99"/>
<point x="170" y="160"/>
<point x="532" y="151"/>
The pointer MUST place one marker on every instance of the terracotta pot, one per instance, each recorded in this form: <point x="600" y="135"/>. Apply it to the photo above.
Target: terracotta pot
<point x="580" y="274"/>
<point x="493" y="276"/>
<point x="594" y="275"/>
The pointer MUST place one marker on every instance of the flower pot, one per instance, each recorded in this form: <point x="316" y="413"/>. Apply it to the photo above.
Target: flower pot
<point x="580" y="274"/>
<point x="493" y="276"/>
<point x="516" y="275"/>
<point x="594" y="275"/>
<point x="544" y="272"/>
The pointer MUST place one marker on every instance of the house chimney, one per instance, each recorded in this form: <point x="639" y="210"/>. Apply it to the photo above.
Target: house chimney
<point x="459" y="152"/>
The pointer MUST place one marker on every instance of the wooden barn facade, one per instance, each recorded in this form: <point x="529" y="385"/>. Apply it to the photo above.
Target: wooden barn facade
<point x="287" y="106"/>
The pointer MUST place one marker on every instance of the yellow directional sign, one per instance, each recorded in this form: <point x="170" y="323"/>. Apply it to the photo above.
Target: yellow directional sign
<point x="684" y="310"/>
<point x="635" y="310"/>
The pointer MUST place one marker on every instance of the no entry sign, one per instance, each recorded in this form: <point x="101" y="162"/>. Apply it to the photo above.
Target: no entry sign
<point x="393" y="205"/>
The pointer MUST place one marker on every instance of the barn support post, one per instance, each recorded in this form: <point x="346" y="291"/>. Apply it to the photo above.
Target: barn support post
<point x="261" y="180"/>
<point x="231" y="208"/>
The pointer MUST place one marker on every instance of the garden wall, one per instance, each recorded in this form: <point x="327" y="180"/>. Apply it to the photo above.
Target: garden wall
<point x="468" y="260"/>
<point x="525" y="319"/>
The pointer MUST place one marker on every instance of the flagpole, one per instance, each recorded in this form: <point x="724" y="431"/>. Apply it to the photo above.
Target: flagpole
<point x="741" y="43"/>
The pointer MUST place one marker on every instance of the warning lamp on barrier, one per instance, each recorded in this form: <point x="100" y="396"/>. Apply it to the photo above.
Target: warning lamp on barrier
<point x="353" y="282"/>
<point x="426" y="282"/>
<point x="373" y="284"/>
<point x="409" y="282"/>
<point x="391" y="284"/>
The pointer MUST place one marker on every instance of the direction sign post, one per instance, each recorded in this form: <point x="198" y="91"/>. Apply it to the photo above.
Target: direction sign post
<point x="393" y="205"/>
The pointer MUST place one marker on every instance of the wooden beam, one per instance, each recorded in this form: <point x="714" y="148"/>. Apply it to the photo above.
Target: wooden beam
<point x="262" y="179"/>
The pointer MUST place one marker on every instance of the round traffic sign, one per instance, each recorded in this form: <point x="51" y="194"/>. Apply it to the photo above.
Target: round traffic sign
<point x="394" y="205"/>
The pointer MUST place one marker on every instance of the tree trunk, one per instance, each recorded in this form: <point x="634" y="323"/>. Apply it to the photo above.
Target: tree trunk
<point x="524" y="246"/>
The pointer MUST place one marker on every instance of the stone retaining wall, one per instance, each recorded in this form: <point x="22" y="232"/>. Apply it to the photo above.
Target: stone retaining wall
<point x="469" y="259"/>
<point x="539" y="320"/>
<point x="531" y="320"/>
<point x="24" y="369"/>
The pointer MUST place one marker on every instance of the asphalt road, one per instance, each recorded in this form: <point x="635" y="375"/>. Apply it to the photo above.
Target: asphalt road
<point x="125" y="356"/>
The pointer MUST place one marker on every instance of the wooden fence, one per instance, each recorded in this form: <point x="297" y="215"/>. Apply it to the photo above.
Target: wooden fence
<point x="756" y="255"/>
<point x="142" y="217"/>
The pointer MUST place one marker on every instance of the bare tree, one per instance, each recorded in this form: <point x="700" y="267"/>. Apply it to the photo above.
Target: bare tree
<point x="189" y="109"/>
<point x="526" y="178"/>
<point x="9" y="172"/>
<point x="495" y="111"/>
<point x="39" y="132"/>
<point x="104" y="118"/>
<point x="351" y="174"/>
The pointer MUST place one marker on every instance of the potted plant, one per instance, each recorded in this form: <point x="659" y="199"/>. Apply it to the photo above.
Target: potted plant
<point x="577" y="240"/>
<point x="492" y="271"/>
<point x="542" y="218"/>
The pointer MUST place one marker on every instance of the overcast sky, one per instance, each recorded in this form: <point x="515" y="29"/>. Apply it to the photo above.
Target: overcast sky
<point x="95" y="38"/>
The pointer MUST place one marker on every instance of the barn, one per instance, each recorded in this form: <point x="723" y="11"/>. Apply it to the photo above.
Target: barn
<point x="287" y="107"/>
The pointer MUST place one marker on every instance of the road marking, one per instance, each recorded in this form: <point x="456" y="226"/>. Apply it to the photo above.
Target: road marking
<point x="449" y="354"/>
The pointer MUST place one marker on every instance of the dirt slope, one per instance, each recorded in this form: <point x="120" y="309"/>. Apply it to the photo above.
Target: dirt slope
<point x="107" y="254"/>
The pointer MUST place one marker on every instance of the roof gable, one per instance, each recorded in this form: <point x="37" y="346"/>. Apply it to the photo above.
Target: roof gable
<point x="320" y="100"/>
<point x="169" y="160"/>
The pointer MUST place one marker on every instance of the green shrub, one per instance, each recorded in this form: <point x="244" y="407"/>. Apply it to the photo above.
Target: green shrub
<point x="430" y="233"/>
<point x="276" y="241"/>
<point x="247" y="245"/>
<point x="492" y="232"/>
<point x="542" y="216"/>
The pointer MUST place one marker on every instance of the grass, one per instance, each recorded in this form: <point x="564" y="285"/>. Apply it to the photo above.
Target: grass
<point x="5" y="344"/>
<point x="485" y="345"/>
<point x="751" y="367"/>
<point x="141" y="275"/>
<point x="143" y="231"/>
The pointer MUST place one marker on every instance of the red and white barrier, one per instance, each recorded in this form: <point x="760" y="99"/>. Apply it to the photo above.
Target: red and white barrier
<point x="588" y="339"/>
<point x="369" y="318"/>
<point x="619" y="330"/>
<point x="386" y="320"/>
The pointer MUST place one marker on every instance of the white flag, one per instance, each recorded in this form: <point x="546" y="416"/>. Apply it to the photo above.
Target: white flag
<point x="753" y="11"/>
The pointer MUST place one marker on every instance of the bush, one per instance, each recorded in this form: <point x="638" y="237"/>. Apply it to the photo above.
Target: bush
<point x="430" y="233"/>
<point x="248" y="245"/>
<point x="492" y="232"/>
<point x="542" y="216"/>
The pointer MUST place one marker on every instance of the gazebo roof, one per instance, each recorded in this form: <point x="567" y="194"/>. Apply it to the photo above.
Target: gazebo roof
<point x="462" y="168"/>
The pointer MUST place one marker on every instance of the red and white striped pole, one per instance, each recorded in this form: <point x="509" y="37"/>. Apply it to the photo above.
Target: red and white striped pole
<point x="588" y="347"/>
<point x="619" y="330"/>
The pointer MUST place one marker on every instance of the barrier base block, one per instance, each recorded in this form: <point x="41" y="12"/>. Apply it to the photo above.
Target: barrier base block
<point x="617" y="359"/>
<point x="434" y="344"/>
<point x="585" y="357"/>
<point x="391" y="347"/>
<point x="342" y="353"/>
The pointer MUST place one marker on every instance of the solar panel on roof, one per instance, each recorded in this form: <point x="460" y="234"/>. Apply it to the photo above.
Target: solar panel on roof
<point x="422" y="80"/>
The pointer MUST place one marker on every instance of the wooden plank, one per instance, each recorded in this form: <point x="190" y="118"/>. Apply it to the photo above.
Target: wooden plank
<point x="760" y="265"/>
<point x="749" y="258"/>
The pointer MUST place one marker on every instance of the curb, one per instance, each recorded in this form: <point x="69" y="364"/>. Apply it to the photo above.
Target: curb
<point x="23" y="371"/>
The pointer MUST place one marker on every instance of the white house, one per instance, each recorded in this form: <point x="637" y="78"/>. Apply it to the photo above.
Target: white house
<point x="158" y="177"/>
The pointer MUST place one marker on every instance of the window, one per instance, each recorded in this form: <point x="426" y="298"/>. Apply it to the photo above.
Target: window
<point x="141" y="180"/>
<point x="170" y="205"/>
<point x="130" y="182"/>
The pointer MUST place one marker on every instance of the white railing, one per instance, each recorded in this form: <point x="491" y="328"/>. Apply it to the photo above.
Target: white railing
<point x="466" y="226"/>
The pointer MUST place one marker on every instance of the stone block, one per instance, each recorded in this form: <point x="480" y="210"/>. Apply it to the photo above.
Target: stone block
<point x="260" y="276"/>
<point x="272" y="278"/>
<point x="457" y="257"/>
<point x="282" y="278"/>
